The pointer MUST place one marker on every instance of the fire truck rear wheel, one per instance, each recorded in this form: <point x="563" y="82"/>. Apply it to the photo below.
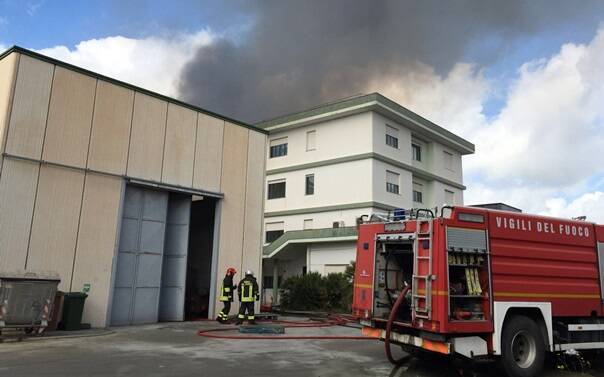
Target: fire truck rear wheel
<point x="522" y="347"/>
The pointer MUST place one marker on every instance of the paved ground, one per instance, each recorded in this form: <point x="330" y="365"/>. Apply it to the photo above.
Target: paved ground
<point x="176" y="350"/>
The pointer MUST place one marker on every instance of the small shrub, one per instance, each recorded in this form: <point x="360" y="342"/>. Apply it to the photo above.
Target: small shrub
<point x="313" y="292"/>
<point x="305" y="292"/>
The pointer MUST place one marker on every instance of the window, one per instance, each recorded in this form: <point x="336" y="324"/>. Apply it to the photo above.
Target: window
<point x="416" y="151"/>
<point x="308" y="224"/>
<point x="278" y="147"/>
<point x="418" y="192"/>
<point x="417" y="196"/>
<point x="276" y="190"/>
<point x="392" y="137"/>
<point x="311" y="139"/>
<point x="272" y="235"/>
<point x="449" y="197"/>
<point x="392" y="182"/>
<point x="273" y="231"/>
<point x="267" y="282"/>
<point x="310" y="184"/>
<point x="448" y="160"/>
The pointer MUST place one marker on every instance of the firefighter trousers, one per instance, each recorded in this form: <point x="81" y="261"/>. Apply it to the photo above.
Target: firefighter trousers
<point x="223" y="316"/>
<point x="243" y="307"/>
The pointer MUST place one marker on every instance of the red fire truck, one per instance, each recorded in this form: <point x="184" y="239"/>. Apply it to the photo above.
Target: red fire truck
<point x="482" y="283"/>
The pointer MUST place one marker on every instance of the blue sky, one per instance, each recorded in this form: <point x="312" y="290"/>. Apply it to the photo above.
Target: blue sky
<point x="521" y="102"/>
<point x="40" y="24"/>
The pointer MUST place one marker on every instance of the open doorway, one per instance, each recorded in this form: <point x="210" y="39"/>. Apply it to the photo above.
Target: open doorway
<point x="199" y="259"/>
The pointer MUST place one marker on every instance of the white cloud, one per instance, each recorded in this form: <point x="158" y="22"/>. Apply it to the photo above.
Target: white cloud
<point x="590" y="204"/>
<point x="154" y="63"/>
<point x="541" y="150"/>
<point x="553" y="123"/>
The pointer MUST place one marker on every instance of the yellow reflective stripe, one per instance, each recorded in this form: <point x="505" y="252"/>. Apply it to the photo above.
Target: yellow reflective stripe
<point x="227" y="289"/>
<point x="240" y="316"/>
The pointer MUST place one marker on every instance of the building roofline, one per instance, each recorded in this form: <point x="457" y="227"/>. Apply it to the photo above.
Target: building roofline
<point x="96" y="75"/>
<point x="369" y="102"/>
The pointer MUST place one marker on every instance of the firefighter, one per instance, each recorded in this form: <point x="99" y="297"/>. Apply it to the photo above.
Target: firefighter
<point x="226" y="295"/>
<point x="248" y="293"/>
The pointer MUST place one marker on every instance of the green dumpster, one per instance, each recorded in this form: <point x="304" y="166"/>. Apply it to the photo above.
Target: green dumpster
<point x="73" y="307"/>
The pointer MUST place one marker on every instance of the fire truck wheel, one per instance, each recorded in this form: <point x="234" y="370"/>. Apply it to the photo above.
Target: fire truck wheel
<point x="522" y="347"/>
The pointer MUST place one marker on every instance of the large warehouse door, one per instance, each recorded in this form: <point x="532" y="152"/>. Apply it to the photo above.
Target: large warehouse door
<point x="174" y="275"/>
<point x="139" y="262"/>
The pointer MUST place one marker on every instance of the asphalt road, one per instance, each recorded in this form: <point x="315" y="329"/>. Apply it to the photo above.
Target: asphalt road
<point x="175" y="349"/>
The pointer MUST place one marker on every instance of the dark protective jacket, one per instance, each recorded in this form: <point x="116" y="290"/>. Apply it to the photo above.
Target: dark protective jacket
<point x="248" y="289"/>
<point x="226" y="291"/>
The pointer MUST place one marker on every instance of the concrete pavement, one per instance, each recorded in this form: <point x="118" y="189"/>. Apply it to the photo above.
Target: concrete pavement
<point x="174" y="349"/>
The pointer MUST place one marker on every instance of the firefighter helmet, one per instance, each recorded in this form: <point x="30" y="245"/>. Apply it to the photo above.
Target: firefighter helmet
<point x="249" y="273"/>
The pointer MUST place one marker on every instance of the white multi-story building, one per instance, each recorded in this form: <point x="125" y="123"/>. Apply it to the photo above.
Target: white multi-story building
<point x="329" y="165"/>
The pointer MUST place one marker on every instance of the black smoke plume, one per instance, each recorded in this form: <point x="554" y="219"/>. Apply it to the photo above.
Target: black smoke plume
<point x="301" y="53"/>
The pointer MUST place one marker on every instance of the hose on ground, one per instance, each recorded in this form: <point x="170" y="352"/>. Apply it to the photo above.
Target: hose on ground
<point x="389" y="324"/>
<point x="336" y="321"/>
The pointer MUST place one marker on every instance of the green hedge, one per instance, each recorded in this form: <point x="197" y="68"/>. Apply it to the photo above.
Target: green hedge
<point x="313" y="292"/>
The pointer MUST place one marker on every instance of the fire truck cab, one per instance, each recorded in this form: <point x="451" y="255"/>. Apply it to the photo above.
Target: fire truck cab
<point x="482" y="283"/>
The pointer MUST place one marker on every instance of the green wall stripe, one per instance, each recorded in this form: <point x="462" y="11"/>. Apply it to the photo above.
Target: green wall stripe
<point x="421" y="173"/>
<point x="339" y="207"/>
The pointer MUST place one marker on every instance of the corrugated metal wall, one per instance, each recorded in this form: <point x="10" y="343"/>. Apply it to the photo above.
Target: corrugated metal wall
<point x="70" y="139"/>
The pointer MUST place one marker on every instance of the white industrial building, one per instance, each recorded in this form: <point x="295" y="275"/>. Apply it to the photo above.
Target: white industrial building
<point x="330" y="165"/>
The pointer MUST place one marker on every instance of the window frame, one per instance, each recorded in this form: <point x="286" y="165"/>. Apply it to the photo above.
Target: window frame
<point x="393" y="188"/>
<point x="268" y="189"/>
<point x="391" y="139"/>
<point x="274" y="233"/>
<point x="418" y="195"/>
<point x="306" y="184"/>
<point x="280" y="149"/>
<point x="416" y="147"/>
<point x="314" y="147"/>
<point x="452" y="194"/>
<point x="448" y="160"/>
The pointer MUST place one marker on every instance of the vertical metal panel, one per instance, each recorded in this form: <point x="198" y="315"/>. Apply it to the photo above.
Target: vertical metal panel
<point x="179" y="151"/>
<point x="69" y="118"/>
<point x="96" y="244"/>
<point x="110" y="128"/>
<point x="55" y="223"/>
<point x="139" y="265"/>
<point x="8" y="67"/>
<point x="174" y="266"/>
<point x="208" y="153"/>
<point x="30" y="108"/>
<point x="254" y="200"/>
<point x="233" y="182"/>
<point x="17" y="194"/>
<point x="147" y="137"/>
<point x="601" y="266"/>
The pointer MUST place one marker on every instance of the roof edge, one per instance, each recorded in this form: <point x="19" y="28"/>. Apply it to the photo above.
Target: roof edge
<point x="372" y="101"/>
<point x="151" y="93"/>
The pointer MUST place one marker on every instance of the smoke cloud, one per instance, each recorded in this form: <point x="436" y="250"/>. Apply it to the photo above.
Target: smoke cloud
<point x="298" y="54"/>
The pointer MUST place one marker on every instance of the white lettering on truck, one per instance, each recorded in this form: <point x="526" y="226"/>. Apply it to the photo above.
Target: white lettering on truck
<point x="526" y="225"/>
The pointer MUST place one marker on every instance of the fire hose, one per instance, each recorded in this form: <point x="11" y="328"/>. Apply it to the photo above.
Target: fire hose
<point x="389" y="324"/>
<point x="336" y="321"/>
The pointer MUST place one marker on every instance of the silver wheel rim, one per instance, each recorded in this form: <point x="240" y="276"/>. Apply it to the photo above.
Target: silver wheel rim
<point x="524" y="349"/>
